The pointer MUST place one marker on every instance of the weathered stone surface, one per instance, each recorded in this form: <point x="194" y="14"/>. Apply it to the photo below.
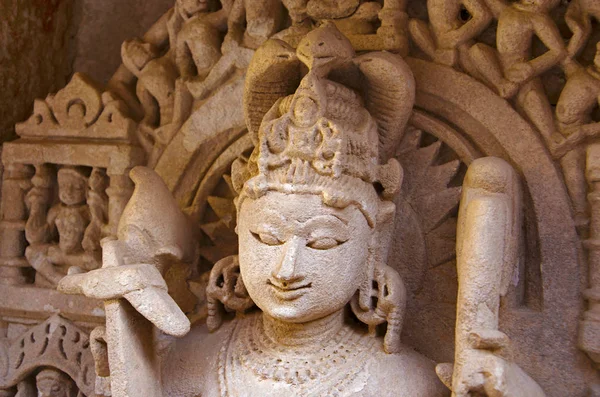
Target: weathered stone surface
<point x="103" y="26"/>
<point x="35" y="57"/>
<point x="461" y="164"/>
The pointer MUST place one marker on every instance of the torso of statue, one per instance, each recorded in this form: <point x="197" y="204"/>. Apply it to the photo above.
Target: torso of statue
<point x="241" y="359"/>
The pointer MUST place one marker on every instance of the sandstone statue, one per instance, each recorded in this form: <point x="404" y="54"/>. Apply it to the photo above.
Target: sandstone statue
<point x="314" y="214"/>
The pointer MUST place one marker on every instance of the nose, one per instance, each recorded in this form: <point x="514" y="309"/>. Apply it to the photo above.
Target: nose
<point x="285" y="271"/>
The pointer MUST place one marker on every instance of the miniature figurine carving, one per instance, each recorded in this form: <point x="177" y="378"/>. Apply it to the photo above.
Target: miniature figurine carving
<point x="512" y="70"/>
<point x="447" y="37"/>
<point x="578" y="17"/>
<point x="53" y="383"/>
<point x="186" y="45"/>
<point x="577" y="101"/>
<point x="315" y="216"/>
<point x="68" y="220"/>
<point x="156" y="81"/>
<point x="369" y="25"/>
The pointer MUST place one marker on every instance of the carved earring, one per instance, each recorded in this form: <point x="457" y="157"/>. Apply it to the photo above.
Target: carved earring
<point x="225" y="291"/>
<point x="382" y="298"/>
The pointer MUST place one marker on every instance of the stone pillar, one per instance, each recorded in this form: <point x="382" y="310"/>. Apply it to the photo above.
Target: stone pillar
<point x="589" y="337"/>
<point x="13" y="214"/>
<point x="38" y="201"/>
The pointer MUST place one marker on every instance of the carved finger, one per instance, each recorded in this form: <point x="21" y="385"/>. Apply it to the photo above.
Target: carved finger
<point x="488" y="339"/>
<point x="156" y="305"/>
<point x="113" y="282"/>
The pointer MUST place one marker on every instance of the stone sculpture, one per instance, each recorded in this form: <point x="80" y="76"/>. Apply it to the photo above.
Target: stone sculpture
<point x="578" y="17"/>
<point x="189" y="104"/>
<point x="368" y="24"/>
<point x="512" y="71"/>
<point x="314" y="216"/>
<point x="447" y="38"/>
<point x="68" y="219"/>
<point x="51" y="360"/>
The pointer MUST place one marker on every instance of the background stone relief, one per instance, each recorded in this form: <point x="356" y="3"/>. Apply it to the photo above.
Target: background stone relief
<point x="469" y="104"/>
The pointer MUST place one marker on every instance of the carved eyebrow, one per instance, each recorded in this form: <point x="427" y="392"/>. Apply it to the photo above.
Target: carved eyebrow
<point x="329" y="218"/>
<point x="269" y="216"/>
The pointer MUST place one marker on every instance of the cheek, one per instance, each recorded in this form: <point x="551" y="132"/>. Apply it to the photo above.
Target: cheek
<point x="337" y="271"/>
<point x="256" y="261"/>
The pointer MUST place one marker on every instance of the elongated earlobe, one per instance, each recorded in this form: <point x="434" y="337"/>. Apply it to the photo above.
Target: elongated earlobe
<point x="225" y="291"/>
<point x="380" y="299"/>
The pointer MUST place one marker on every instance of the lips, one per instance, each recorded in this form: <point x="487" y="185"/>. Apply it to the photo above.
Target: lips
<point x="289" y="292"/>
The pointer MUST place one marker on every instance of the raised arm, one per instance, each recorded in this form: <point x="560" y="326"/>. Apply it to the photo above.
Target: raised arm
<point x="488" y="240"/>
<point x="481" y="16"/>
<point x="579" y="23"/>
<point x="548" y="33"/>
<point x="132" y="286"/>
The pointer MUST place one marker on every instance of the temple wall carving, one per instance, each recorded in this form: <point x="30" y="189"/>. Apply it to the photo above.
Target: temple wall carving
<point x="473" y="123"/>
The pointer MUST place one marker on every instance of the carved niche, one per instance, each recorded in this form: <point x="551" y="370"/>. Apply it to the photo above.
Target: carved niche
<point x="51" y="359"/>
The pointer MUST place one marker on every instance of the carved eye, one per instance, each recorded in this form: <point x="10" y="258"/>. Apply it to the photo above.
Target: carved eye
<point x="267" y="238"/>
<point x="324" y="243"/>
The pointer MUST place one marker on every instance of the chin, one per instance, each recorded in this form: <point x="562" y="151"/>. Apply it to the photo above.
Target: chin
<point x="288" y="313"/>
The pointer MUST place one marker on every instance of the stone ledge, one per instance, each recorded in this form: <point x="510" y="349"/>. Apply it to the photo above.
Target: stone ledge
<point x="37" y="303"/>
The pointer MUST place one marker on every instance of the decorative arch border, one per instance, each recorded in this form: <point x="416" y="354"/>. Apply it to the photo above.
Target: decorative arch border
<point x="481" y="117"/>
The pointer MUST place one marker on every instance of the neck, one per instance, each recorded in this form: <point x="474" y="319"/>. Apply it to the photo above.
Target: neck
<point x="303" y="334"/>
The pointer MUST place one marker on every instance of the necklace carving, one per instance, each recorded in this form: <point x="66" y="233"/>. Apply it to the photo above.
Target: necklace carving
<point x="334" y="367"/>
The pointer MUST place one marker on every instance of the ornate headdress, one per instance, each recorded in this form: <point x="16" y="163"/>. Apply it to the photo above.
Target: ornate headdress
<point x="332" y="135"/>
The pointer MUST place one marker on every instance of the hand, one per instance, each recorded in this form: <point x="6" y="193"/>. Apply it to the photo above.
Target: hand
<point x="229" y="45"/>
<point x="520" y="72"/>
<point x="482" y="371"/>
<point x="140" y="284"/>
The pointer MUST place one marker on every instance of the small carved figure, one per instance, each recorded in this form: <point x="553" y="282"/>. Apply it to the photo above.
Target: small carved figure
<point x="251" y="23"/>
<point x="248" y="24"/>
<point x="48" y="382"/>
<point x="574" y="109"/>
<point x="368" y="25"/>
<point x="447" y="37"/>
<point x="68" y="220"/>
<point x="198" y="42"/>
<point x="156" y="81"/>
<point x="186" y="45"/>
<point x="511" y="70"/>
<point x="51" y="382"/>
<point x="578" y="17"/>
<point x="97" y="202"/>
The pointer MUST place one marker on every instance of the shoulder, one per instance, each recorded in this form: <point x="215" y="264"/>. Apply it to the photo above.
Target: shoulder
<point x="190" y="368"/>
<point x="405" y="373"/>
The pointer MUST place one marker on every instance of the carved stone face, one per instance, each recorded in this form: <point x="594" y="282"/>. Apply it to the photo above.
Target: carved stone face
<point x="300" y="259"/>
<point x="53" y="383"/>
<point x="191" y="7"/>
<point x="137" y="53"/>
<point x="71" y="188"/>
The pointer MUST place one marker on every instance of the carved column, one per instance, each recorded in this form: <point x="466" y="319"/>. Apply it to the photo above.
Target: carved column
<point x="38" y="200"/>
<point x="13" y="214"/>
<point x="589" y="337"/>
<point x="119" y="191"/>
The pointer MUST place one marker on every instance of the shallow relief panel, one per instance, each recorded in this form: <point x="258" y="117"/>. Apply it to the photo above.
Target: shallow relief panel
<point x="186" y="104"/>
